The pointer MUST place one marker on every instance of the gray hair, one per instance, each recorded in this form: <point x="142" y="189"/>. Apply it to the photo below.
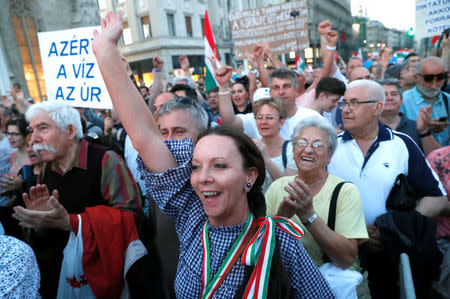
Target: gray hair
<point x="284" y="73"/>
<point x="320" y="123"/>
<point x="62" y="114"/>
<point x="198" y="115"/>
<point x="392" y="81"/>
<point x="374" y="91"/>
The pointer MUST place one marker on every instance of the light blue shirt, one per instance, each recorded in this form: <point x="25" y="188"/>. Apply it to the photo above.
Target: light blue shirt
<point x="413" y="100"/>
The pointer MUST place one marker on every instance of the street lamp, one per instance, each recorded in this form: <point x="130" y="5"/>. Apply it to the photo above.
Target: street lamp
<point x="295" y="14"/>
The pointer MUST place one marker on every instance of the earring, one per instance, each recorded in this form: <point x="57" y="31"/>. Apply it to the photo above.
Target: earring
<point x="249" y="185"/>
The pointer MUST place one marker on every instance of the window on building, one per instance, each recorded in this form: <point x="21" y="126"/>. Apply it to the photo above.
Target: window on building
<point x="127" y="39"/>
<point x="202" y="21"/>
<point x="27" y="42"/>
<point x="146" y="27"/>
<point x="188" y="26"/>
<point x="171" y="24"/>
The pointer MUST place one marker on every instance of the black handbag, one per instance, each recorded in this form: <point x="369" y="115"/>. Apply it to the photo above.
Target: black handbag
<point x="402" y="197"/>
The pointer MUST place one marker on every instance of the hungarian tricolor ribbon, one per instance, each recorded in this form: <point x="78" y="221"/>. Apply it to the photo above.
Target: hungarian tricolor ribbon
<point x="258" y="253"/>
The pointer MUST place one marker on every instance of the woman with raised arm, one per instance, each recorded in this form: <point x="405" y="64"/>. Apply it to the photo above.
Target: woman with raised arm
<point x="213" y="192"/>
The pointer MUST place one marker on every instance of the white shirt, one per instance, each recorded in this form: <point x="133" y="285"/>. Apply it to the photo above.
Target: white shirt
<point x="130" y="155"/>
<point x="390" y="154"/>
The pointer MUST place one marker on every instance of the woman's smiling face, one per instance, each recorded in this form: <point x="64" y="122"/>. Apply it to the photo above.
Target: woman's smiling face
<point x="219" y="179"/>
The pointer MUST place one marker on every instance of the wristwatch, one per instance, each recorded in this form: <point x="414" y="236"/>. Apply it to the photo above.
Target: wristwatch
<point x="310" y="219"/>
<point x="427" y="133"/>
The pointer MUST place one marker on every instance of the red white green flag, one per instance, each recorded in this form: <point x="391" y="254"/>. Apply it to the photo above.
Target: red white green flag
<point x="299" y="62"/>
<point x="210" y="51"/>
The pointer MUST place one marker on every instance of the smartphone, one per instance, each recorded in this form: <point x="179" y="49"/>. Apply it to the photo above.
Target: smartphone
<point x="444" y="118"/>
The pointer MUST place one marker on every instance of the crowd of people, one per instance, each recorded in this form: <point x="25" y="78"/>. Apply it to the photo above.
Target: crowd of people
<point x="258" y="187"/>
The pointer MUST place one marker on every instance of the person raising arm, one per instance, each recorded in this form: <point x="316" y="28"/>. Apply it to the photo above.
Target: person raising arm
<point x="133" y="113"/>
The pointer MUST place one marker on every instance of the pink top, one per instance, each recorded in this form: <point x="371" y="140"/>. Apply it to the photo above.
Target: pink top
<point x="440" y="162"/>
<point x="14" y="167"/>
<point x="306" y="100"/>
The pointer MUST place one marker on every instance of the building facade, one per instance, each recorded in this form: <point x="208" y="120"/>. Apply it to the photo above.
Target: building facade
<point x="167" y="28"/>
<point x="20" y="21"/>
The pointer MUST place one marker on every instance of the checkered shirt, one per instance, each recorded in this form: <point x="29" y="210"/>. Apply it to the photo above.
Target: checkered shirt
<point x="175" y="196"/>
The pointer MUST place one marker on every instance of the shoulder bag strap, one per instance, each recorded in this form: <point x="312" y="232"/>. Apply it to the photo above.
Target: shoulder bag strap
<point x="332" y="211"/>
<point x="444" y="97"/>
<point x="284" y="155"/>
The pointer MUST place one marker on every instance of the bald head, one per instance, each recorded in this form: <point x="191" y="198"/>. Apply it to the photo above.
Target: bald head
<point x="160" y="100"/>
<point x="373" y="90"/>
<point x="359" y="73"/>
<point x="353" y="63"/>
<point x="430" y="62"/>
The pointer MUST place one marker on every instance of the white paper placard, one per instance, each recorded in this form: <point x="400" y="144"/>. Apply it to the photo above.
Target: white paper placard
<point x="70" y="68"/>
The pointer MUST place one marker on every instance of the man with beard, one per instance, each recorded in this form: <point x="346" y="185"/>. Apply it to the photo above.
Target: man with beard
<point x="427" y="96"/>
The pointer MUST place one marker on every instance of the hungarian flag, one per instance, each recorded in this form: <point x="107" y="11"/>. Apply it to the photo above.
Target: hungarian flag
<point x="299" y="64"/>
<point x="210" y="50"/>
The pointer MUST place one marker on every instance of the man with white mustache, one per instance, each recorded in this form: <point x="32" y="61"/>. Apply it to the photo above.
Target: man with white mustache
<point x="431" y="73"/>
<point x="43" y="147"/>
<point x="77" y="175"/>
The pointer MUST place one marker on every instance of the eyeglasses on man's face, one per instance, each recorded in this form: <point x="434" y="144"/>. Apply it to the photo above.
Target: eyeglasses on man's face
<point x="430" y="77"/>
<point x="353" y="103"/>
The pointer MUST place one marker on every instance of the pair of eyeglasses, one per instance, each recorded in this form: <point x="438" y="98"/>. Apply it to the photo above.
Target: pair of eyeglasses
<point x="266" y="117"/>
<point x="430" y="78"/>
<point x="12" y="134"/>
<point x="317" y="146"/>
<point x="353" y="104"/>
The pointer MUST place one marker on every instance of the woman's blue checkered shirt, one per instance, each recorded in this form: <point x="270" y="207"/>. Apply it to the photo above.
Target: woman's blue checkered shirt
<point x="175" y="196"/>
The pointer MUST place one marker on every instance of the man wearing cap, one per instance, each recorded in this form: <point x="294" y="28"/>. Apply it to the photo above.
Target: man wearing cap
<point x="427" y="96"/>
<point x="402" y="72"/>
<point x="283" y="84"/>
<point x="301" y="80"/>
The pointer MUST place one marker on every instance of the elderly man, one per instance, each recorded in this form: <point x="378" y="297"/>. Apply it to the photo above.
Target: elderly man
<point x="427" y="96"/>
<point x="371" y="156"/>
<point x="79" y="175"/>
<point x="160" y="100"/>
<point x="396" y="120"/>
<point x="403" y="72"/>
<point x="359" y="73"/>
<point x="352" y="64"/>
<point x="283" y="84"/>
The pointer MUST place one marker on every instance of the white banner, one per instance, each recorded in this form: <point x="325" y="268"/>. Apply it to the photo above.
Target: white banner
<point x="70" y="68"/>
<point x="432" y="17"/>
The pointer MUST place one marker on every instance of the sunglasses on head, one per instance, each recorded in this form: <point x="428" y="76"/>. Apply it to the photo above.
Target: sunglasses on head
<point x="184" y="100"/>
<point x="430" y="78"/>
